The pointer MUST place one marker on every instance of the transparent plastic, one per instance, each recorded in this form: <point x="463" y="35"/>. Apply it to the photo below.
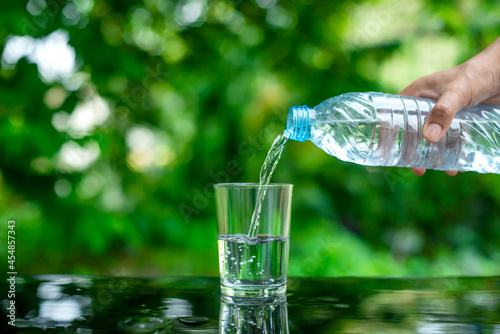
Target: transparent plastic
<point x="376" y="129"/>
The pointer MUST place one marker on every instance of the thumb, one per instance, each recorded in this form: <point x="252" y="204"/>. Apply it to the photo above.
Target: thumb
<point x="442" y="114"/>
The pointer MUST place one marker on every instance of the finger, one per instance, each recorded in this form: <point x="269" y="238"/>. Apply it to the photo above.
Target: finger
<point x="451" y="172"/>
<point x="494" y="100"/>
<point x="427" y="86"/>
<point x="442" y="114"/>
<point x="414" y="88"/>
<point x="418" y="171"/>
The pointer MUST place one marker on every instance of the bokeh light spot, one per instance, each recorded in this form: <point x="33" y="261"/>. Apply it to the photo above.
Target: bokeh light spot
<point x="190" y="12"/>
<point x="55" y="97"/>
<point x="91" y="184"/>
<point x="41" y="165"/>
<point x="147" y="149"/>
<point x="75" y="158"/>
<point x="279" y="17"/>
<point x="54" y="57"/>
<point x="36" y="7"/>
<point x="266" y="3"/>
<point x="62" y="187"/>
<point x="175" y="49"/>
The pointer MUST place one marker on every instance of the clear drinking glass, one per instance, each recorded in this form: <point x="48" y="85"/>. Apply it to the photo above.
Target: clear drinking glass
<point x="253" y="266"/>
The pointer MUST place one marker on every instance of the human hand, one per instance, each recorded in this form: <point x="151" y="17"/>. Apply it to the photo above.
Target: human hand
<point x="473" y="82"/>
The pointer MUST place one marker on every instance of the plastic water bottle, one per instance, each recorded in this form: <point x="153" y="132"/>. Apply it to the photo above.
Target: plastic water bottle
<point x="377" y="129"/>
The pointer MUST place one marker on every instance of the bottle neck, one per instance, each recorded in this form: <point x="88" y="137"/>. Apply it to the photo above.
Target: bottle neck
<point x="298" y="123"/>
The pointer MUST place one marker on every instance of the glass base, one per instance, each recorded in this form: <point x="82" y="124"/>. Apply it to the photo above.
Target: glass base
<point x="253" y="291"/>
<point x="253" y="301"/>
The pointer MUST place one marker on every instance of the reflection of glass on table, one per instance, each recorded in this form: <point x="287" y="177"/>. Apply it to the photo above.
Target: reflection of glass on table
<point x="253" y="315"/>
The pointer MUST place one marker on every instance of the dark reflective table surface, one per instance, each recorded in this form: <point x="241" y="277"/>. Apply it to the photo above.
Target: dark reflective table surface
<point x="84" y="304"/>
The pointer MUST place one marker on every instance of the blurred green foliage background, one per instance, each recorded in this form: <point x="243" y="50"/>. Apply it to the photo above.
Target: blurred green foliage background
<point x="117" y="117"/>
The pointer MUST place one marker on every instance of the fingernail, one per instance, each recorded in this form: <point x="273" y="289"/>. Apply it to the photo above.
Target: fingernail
<point x="433" y="131"/>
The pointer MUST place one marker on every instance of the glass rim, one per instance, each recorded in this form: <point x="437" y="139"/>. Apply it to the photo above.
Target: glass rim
<point x="243" y="185"/>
